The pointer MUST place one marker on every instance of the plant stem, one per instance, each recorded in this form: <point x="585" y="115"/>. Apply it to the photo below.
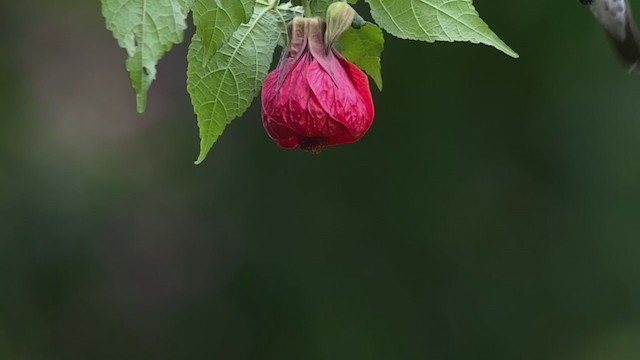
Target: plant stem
<point x="307" y="8"/>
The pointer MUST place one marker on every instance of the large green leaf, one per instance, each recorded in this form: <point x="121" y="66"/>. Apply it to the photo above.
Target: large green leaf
<point x="147" y="29"/>
<point x="216" y="21"/>
<point x="435" y="20"/>
<point x="223" y="88"/>
<point x="363" y="47"/>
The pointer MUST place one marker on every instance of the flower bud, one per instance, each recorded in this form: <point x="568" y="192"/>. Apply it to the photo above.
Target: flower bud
<point x="340" y="16"/>
<point x="315" y="97"/>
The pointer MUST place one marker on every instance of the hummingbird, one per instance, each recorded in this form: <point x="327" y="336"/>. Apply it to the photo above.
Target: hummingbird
<point x="616" y="19"/>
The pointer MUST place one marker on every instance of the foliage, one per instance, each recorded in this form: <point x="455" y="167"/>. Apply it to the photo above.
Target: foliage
<point x="146" y="29"/>
<point x="232" y="50"/>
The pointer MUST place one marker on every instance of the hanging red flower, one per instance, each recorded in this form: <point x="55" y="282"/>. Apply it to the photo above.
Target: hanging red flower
<point x="315" y="97"/>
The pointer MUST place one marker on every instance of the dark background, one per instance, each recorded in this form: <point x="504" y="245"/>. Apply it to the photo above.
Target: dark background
<point x="492" y="212"/>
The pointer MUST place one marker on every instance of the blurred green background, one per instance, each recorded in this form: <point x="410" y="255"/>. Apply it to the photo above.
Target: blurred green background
<point x="492" y="212"/>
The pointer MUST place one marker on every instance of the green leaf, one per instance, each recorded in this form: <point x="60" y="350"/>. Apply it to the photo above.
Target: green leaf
<point x="435" y="20"/>
<point x="363" y="47"/>
<point x="223" y="88"/>
<point x="216" y="20"/>
<point x="147" y="29"/>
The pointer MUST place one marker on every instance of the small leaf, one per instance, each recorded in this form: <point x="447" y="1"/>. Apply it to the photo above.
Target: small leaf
<point x="363" y="47"/>
<point x="223" y="88"/>
<point x="435" y="20"/>
<point x="147" y="29"/>
<point x="216" y="20"/>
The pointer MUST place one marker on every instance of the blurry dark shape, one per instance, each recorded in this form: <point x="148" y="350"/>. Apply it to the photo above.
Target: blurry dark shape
<point x="616" y="18"/>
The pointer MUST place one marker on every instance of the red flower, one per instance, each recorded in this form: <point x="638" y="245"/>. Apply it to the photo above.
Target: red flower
<point x="315" y="97"/>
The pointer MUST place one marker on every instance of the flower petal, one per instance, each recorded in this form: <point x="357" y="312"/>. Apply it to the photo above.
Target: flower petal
<point x="339" y="96"/>
<point x="361" y="83"/>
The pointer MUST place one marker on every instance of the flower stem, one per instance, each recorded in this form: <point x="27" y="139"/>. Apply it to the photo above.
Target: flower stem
<point x="307" y="8"/>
